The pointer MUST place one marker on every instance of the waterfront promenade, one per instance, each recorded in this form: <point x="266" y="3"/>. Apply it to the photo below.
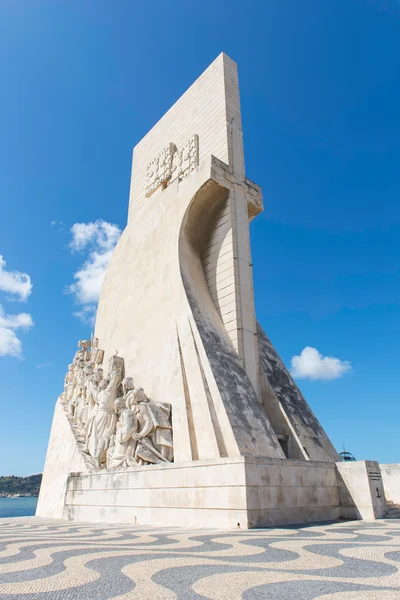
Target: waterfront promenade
<point x="42" y="560"/>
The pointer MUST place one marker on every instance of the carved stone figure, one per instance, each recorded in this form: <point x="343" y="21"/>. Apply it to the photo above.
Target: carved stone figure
<point x="83" y="407"/>
<point x="69" y="377"/>
<point x="92" y="391"/>
<point x="104" y="423"/>
<point x="155" y="435"/>
<point x="69" y="385"/>
<point x="96" y="355"/>
<point x="79" y="375"/>
<point x="128" y="385"/>
<point x="85" y="345"/>
<point x="122" y="453"/>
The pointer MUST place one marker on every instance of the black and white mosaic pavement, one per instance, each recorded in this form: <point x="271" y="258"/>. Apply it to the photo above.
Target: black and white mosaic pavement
<point x="42" y="559"/>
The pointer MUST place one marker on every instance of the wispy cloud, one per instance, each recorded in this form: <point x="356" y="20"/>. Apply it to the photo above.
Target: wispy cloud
<point x="10" y="344"/>
<point x="17" y="284"/>
<point x="44" y="365"/>
<point x="98" y="240"/>
<point x="311" y="364"/>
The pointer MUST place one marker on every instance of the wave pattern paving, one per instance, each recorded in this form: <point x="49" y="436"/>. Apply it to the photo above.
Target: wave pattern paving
<point x="46" y="559"/>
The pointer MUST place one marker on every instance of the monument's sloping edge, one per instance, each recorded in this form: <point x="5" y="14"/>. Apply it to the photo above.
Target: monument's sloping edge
<point x="63" y="457"/>
<point x="307" y="430"/>
<point x="245" y="413"/>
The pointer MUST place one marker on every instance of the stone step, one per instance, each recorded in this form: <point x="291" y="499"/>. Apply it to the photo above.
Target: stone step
<point x="392" y="510"/>
<point x="392" y="514"/>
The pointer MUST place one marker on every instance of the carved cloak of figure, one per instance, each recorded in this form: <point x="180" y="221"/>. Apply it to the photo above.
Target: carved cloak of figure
<point x="83" y="407"/>
<point x="69" y="385"/>
<point x="79" y="376"/>
<point x="92" y="391"/>
<point x="155" y="436"/>
<point x="104" y="423"/>
<point x="122" y="454"/>
<point x="122" y="451"/>
<point x="69" y="377"/>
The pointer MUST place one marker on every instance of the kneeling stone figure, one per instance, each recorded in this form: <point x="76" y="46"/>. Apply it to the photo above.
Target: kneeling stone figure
<point x="144" y="432"/>
<point x="154" y="439"/>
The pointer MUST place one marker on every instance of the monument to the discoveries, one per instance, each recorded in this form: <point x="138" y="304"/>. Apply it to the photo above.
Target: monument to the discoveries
<point x="179" y="411"/>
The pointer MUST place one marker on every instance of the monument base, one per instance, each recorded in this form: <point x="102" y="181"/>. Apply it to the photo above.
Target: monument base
<point x="228" y="493"/>
<point x="391" y="482"/>
<point x="361" y="490"/>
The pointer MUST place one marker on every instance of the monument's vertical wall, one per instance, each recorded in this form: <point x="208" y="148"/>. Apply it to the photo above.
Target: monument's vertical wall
<point x="361" y="491"/>
<point x="201" y="110"/>
<point x="210" y="108"/>
<point x="391" y="481"/>
<point x="246" y="329"/>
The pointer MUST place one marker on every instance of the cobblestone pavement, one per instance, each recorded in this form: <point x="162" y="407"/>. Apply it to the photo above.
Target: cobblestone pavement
<point x="42" y="559"/>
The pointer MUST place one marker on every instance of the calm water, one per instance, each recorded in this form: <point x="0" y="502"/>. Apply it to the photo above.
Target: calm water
<point x="17" y="507"/>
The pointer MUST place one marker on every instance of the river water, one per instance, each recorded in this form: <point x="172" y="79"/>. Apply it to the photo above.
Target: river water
<point x="17" y="507"/>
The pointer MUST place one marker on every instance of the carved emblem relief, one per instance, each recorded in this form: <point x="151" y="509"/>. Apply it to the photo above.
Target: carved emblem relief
<point x="159" y="170"/>
<point x="114" y="423"/>
<point x="171" y="164"/>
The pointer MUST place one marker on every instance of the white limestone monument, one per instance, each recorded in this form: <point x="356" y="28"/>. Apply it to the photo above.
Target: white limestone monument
<point x="179" y="411"/>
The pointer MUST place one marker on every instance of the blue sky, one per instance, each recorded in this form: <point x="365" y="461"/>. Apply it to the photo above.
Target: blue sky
<point x="82" y="82"/>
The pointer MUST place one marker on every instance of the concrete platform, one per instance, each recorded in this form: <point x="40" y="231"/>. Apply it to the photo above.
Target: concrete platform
<point x="243" y="492"/>
<point x="46" y="559"/>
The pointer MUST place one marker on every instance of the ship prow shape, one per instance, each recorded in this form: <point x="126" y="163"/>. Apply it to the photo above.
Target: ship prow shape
<point x="195" y="421"/>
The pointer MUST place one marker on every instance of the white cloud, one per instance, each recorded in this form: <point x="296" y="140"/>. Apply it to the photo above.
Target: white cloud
<point x="101" y="234"/>
<point x="19" y="286"/>
<point x="22" y="320"/>
<point x="89" y="278"/>
<point x="16" y="283"/>
<point x="10" y="344"/>
<point x="98" y="239"/>
<point x="311" y="364"/>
